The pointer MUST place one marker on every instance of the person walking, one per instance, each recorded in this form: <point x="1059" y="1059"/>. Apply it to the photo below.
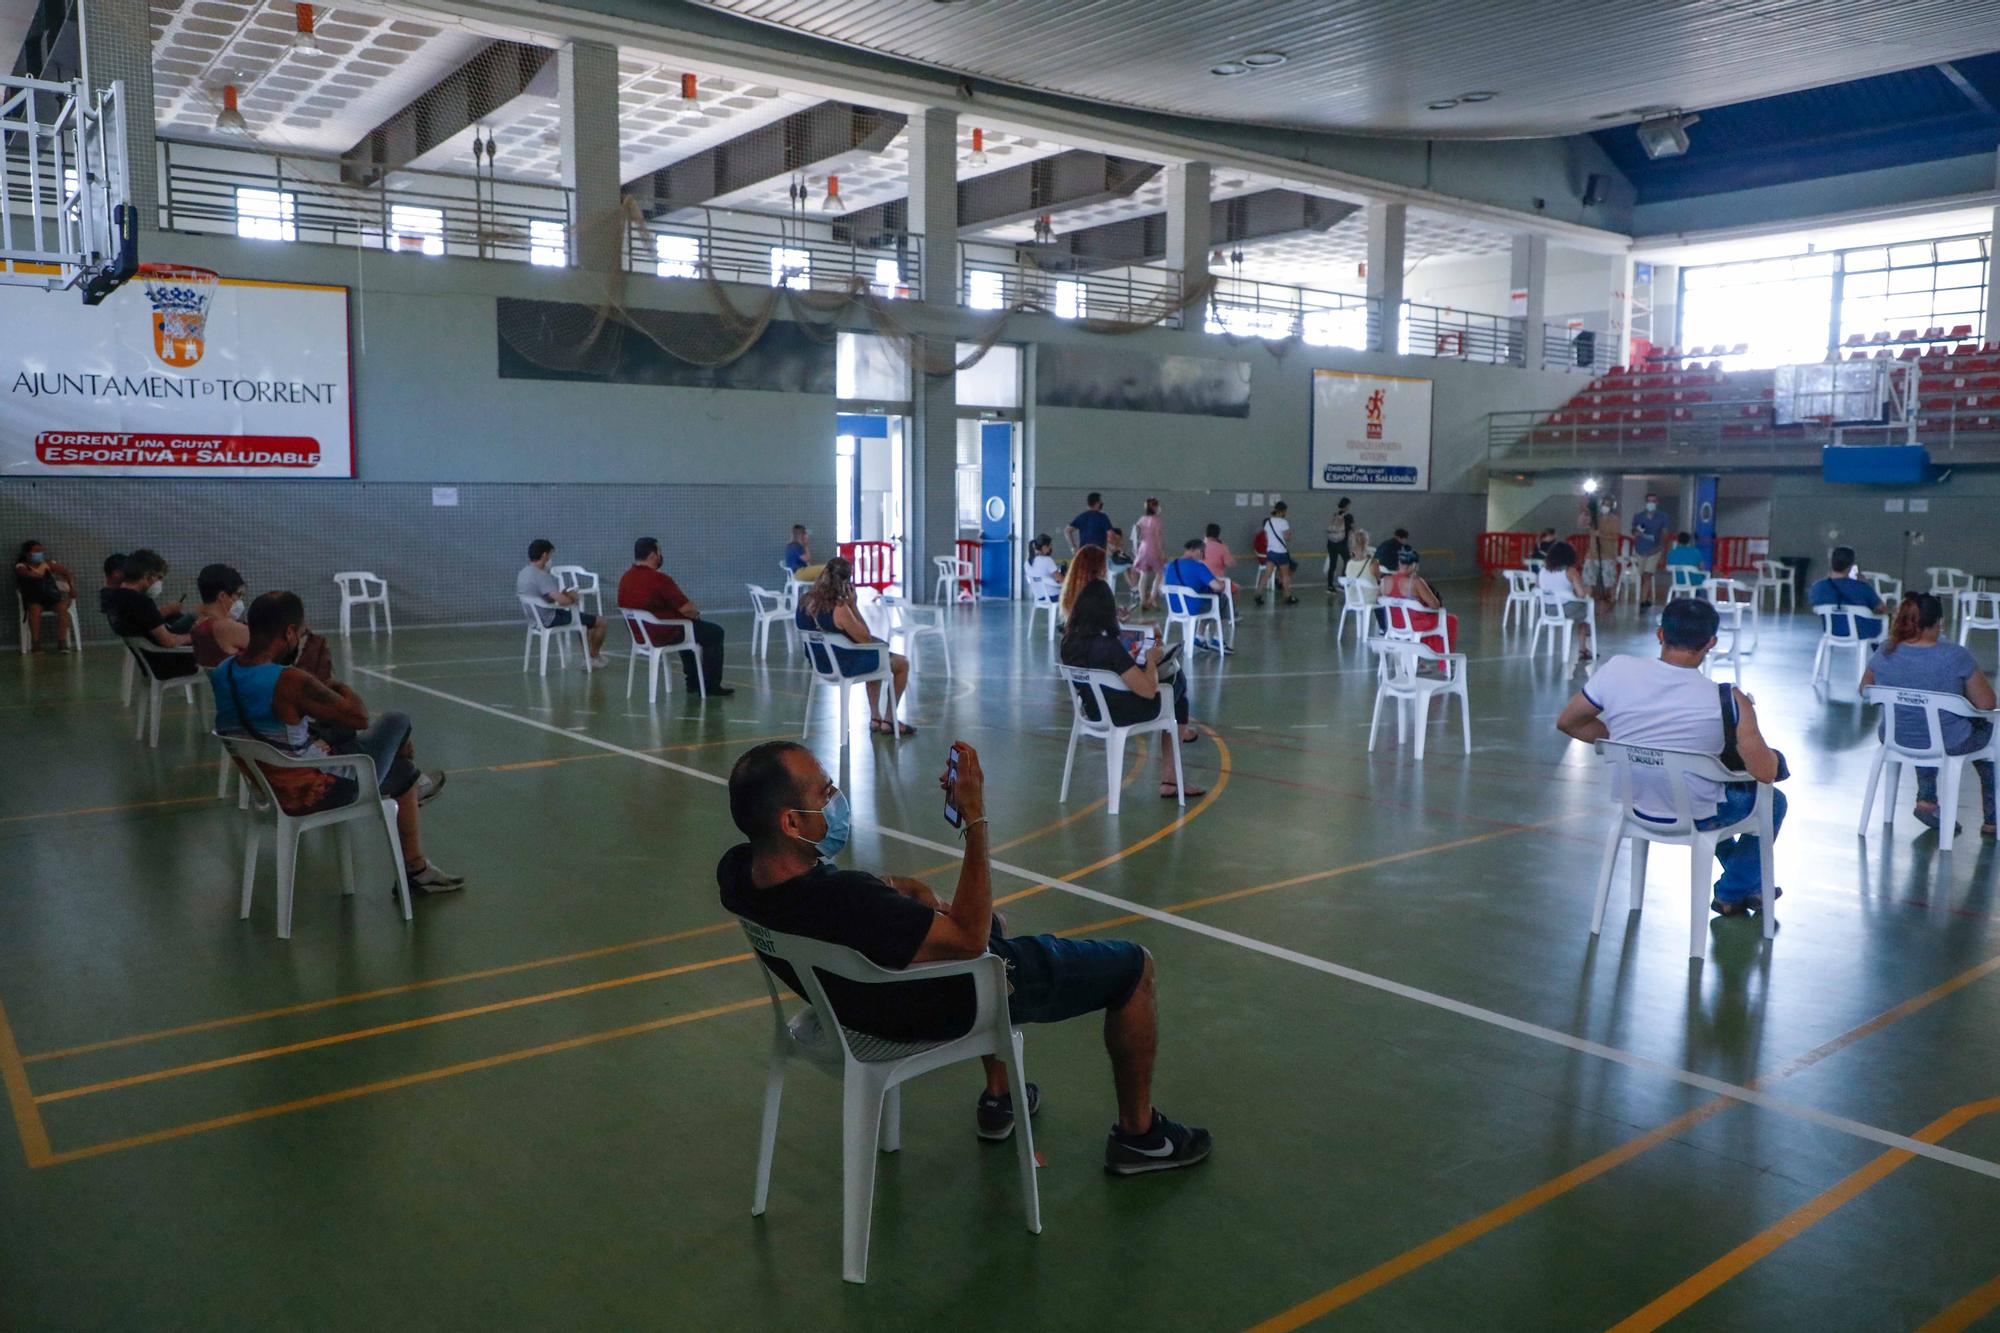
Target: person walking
<point x="1339" y="531"/>
<point x="1151" y="560"/>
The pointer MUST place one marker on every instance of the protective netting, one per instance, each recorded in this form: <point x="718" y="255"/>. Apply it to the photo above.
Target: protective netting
<point x="590" y="340"/>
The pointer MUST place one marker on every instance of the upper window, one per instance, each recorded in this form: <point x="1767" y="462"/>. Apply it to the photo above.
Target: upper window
<point x="985" y="289"/>
<point x="413" y="227"/>
<point x="677" y="256"/>
<point x="548" y="243"/>
<point x="791" y="268"/>
<point x="266" y="215"/>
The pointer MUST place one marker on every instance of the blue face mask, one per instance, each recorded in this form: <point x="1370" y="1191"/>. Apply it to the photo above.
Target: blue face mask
<point x="838" y="826"/>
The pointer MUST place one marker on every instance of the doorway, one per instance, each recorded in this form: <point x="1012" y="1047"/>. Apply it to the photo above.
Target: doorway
<point x="870" y="501"/>
<point x="989" y="500"/>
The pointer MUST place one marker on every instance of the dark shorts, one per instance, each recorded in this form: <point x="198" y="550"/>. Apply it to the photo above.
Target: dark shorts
<point x="1056" y="979"/>
<point x="1282" y="560"/>
<point x="562" y="618"/>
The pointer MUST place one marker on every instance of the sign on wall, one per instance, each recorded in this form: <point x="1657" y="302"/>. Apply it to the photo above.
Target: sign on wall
<point x="1370" y="432"/>
<point x="262" y="387"/>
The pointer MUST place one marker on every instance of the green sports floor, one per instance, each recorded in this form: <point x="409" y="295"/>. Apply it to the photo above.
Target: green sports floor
<point x="1438" y="1103"/>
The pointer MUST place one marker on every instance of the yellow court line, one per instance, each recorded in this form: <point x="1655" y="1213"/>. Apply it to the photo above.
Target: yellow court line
<point x="402" y="1081"/>
<point x="1053" y="824"/>
<point x="21" y="1097"/>
<point x="355" y="997"/>
<point x="1796" y="1223"/>
<point x="112" y="809"/>
<point x="1967" y="1310"/>
<point x="1410" y="1260"/>
<point x="1186" y="817"/>
<point x="381" y="1029"/>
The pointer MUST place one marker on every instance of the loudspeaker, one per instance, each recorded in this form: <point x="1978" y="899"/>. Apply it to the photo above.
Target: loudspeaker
<point x="1593" y="190"/>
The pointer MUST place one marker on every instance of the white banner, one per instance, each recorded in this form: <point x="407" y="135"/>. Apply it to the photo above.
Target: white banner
<point x="262" y="387"/>
<point x="1370" y="432"/>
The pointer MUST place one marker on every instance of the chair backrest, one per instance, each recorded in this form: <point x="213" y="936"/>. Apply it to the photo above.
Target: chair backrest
<point x="1396" y="612"/>
<point x="1098" y="686"/>
<point x="1725" y="592"/>
<point x="1185" y="604"/>
<point x="574" y="578"/>
<point x="1944" y="578"/>
<point x="1829" y="612"/>
<point x="1402" y="661"/>
<point x="1900" y="704"/>
<point x="1044" y="590"/>
<point x="1686" y="577"/>
<point x="1979" y="606"/>
<point x="825" y="662"/>
<point x="636" y="620"/>
<point x="144" y="650"/>
<point x="539" y="613"/>
<point x="764" y="602"/>
<point x="1520" y="582"/>
<point x="812" y="961"/>
<point x="253" y="756"/>
<point x="360" y="585"/>
<point x="1654" y="767"/>
<point x="1770" y="571"/>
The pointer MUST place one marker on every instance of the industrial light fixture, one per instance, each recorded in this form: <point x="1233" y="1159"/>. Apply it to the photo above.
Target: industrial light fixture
<point x="1665" y="136"/>
<point x="1229" y="69"/>
<point x="1590" y="485"/>
<point x="1045" y="230"/>
<point x="303" y="39"/>
<point x="1265" y="59"/>
<point x="1442" y="104"/>
<point x="229" y="118"/>
<point x="689" y="93"/>
<point x="977" y="158"/>
<point x="832" y="204"/>
<point x="1477" y="97"/>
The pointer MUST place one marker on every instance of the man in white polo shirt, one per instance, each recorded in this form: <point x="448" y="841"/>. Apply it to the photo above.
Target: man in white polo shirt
<point x="1667" y="702"/>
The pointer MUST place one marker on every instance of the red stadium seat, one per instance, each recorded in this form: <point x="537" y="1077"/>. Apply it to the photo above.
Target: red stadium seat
<point x="1960" y="331"/>
<point x="1854" y="340"/>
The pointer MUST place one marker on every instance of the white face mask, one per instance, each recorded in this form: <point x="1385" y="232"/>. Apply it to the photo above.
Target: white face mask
<point x="238" y="611"/>
<point x="1652" y="506"/>
<point x="157" y="587"/>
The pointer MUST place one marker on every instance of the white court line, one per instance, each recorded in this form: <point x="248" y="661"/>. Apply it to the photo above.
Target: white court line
<point x="1736" y="1092"/>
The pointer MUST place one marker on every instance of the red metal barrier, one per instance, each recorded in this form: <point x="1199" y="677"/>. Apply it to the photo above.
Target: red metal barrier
<point x="1580" y="541"/>
<point x="1504" y="550"/>
<point x="969" y="555"/>
<point x="874" y="563"/>
<point x="1739" y="553"/>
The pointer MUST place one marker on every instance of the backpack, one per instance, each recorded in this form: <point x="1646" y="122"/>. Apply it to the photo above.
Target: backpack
<point x="1260" y="543"/>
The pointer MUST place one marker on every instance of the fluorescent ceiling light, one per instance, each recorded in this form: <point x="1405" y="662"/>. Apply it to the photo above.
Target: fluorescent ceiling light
<point x="1665" y="136"/>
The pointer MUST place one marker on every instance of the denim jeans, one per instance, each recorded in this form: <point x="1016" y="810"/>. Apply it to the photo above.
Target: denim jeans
<point x="1927" y="778"/>
<point x="1742" y="867"/>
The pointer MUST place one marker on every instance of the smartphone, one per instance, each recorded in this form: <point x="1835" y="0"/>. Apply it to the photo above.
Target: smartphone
<point x="951" y="815"/>
<point x="1170" y="652"/>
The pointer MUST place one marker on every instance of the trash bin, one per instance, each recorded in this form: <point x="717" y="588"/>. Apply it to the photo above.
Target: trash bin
<point x="1585" y="347"/>
<point x="1798" y="564"/>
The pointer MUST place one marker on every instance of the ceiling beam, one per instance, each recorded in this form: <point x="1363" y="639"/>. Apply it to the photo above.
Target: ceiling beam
<point x="481" y="89"/>
<point x="1075" y="179"/>
<point x="1967" y="89"/>
<point x="1263" y="216"/>
<point x="794" y="145"/>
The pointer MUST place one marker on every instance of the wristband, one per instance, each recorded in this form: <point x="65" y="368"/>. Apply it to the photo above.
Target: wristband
<point x="970" y="825"/>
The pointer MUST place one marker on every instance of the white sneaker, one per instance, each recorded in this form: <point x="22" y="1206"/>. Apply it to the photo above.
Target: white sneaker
<point x="599" y="662"/>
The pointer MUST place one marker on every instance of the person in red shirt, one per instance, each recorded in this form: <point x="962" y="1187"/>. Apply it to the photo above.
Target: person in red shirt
<point x="645" y="588"/>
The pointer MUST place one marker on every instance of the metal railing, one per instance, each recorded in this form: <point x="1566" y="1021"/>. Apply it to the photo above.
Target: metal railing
<point x="1719" y="433"/>
<point x="1002" y="280"/>
<point x="1246" y="307"/>
<point x="303" y="199"/>
<point x="1463" y="335"/>
<point x="763" y="252"/>
<point x="1565" y="348"/>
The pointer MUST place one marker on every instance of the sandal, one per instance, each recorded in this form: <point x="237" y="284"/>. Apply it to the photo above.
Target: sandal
<point x="1169" y="792"/>
<point x="1193" y="734"/>
<point x="884" y="727"/>
<point x="1929" y="818"/>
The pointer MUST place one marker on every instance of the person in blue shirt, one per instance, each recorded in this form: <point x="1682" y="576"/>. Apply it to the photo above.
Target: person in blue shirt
<point x="799" y="553"/>
<point x="1841" y="588"/>
<point x="1190" y="574"/>
<point x="1685" y="555"/>
<point x="1649" y="530"/>
<point x="1092" y="527"/>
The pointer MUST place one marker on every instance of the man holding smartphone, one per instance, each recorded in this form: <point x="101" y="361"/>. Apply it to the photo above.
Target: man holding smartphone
<point x="784" y="878"/>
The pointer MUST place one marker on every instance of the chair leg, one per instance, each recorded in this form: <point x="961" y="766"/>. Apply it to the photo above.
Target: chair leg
<point x="631" y="665"/>
<point x="841" y="689"/>
<point x="1114" y="769"/>
<point x="656" y="671"/>
<point x="1636" y="893"/>
<point x="812" y="688"/>
<point x="159" y="698"/>
<point x="288" y="867"/>
<point x="347" y="859"/>
<point x="1465" y="717"/>
<point x="1895" y="783"/>
<point x="1610" y="863"/>
<point x="1375" y="718"/>
<point x="1949" y="773"/>
<point x="1031" y="1194"/>
<point x="1420" y="719"/>
<point x="1868" y="797"/>
<point x="1069" y="759"/>
<point x="527" y="649"/>
<point x="1180" y="778"/>
<point x="139" y="732"/>
<point x="700" y="675"/>
<point x="388" y="624"/>
<point x="396" y="857"/>
<point x="767" y="1136"/>
<point x="892" y="1120"/>
<point x="222" y="779"/>
<point x="1701" y="856"/>
<point x="249" y="865"/>
<point x="861" y="1121"/>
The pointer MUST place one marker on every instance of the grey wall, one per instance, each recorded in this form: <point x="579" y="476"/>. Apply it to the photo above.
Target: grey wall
<point x="1809" y="515"/>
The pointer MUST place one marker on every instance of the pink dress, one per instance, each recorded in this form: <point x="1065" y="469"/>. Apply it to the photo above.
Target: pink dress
<point x="1152" y="556"/>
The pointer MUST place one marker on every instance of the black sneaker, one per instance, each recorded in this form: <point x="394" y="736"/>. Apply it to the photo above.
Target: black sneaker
<point x="720" y="692"/>
<point x="996" y="1114"/>
<point x="1162" y="1148"/>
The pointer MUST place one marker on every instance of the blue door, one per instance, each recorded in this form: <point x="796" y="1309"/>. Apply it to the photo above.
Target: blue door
<point x="1704" y="517"/>
<point x="996" y="508"/>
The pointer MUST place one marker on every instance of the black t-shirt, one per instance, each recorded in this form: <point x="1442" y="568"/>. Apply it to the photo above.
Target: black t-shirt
<point x="1106" y="652"/>
<point x="133" y="615"/>
<point x="855" y="909"/>
<point x="1389" y="555"/>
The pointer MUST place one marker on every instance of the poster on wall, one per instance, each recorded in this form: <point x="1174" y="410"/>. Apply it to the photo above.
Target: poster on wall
<point x="259" y="384"/>
<point x="1370" y="432"/>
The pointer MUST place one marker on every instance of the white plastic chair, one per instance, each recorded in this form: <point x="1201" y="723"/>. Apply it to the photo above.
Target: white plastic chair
<point x="1190" y="611"/>
<point x="916" y="624"/>
<point x="1044" y="595"/>
<point x="1355" y="605"/>
<point x="1520" y="598"/>
<point x="1977" y="610"/>
<point x="1398" y="620"/>
<point x="360" y="588"/>
<point x="1887" y="587"/>
<point x="872" y="1069"/>
<point x="1099" y="686"/>
<point x="1628" y="578"/>
<point x="1675" y="767"/>
<point x="252" y="757"/>
<point x="826" y="670"/>
<point x="1893" y="754"/>
<point x="540" y="630"/>
<point x="1401" y="682"/>
<point x="951" y="571"/>
<point x="1725" y="593"/>
<point x="75" y="627"/>
<point x="1831" y="642"/>
<point x="1549" y="616"/>
<point x="1686" y="581"/>
<point x="582" y="582"/>
<point x="1775" y="579"/>
<point x="1728" y="640"/>
<point x="790" y="586"/>
<point x="1948" y="585"/>
<point x="656" y="654"/>
<point x="768" y="608"/>
<point x="149" y="697"/>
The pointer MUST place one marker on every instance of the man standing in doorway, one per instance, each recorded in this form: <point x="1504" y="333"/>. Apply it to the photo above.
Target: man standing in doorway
<point x="1092" y="527"/>
<point x="1649" y="530"/>
<point x="1338" y="529"/>
<point x="645" y="588"/>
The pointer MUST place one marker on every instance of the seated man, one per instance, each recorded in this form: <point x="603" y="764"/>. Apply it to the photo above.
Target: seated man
<point x="1841" y="588"/>
<point x="799" y="557"/>
<point x="257" y="695"/>
<point x="1190" y="573"/>
<point x="114" y="576"/>
<point x="1389" y="555"/>
<point x="535" y="581"/>
<point x="133" y="614"/>
<point x="645" y="588"/>
<point x="44" y="586"/>
<point x="1544" y="543"/>
<point x="219" y="631"/>
<point x="784" y="878"/>
<point x="1667" y="702"/>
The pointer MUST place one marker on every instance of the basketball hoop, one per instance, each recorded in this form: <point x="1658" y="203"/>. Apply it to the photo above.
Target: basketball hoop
<point x="180" y="295"/>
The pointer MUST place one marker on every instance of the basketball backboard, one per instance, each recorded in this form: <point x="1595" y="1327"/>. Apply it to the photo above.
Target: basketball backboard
<point x="66" y="217"/>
